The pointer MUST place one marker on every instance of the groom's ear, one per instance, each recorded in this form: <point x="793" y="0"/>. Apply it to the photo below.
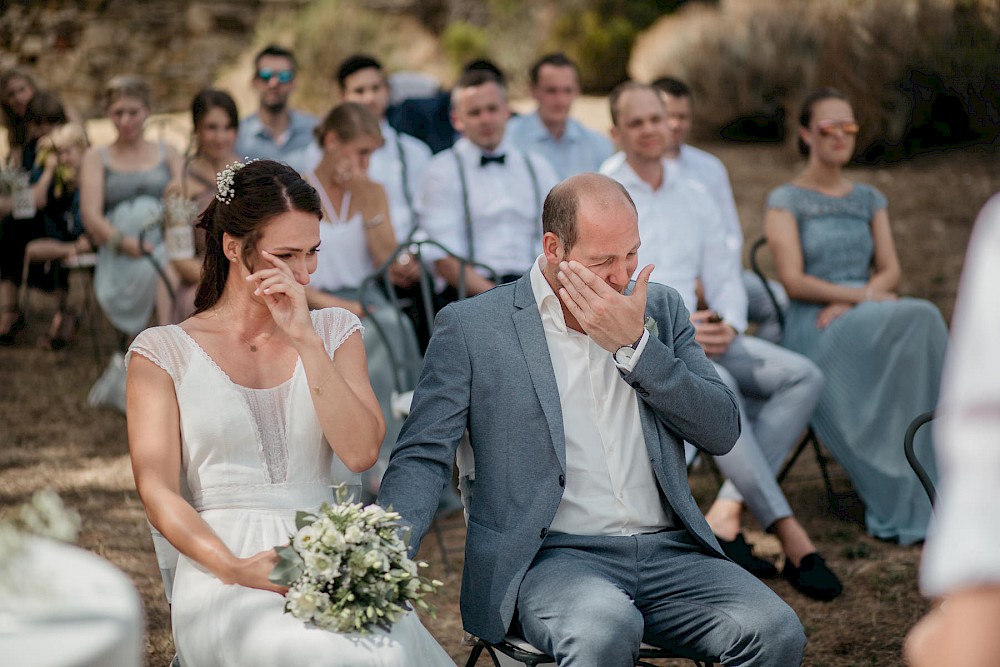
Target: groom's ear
<point x="552" y="246"/>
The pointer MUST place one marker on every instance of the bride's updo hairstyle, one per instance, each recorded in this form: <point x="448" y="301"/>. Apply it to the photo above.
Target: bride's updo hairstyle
<point x="258" y="192"/>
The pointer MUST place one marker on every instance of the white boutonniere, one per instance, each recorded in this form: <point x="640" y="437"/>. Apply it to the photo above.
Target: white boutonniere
<point x="651" y="327"/>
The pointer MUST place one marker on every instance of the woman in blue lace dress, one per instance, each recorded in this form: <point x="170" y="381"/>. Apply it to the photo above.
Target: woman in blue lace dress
<point x="881" y="353"/>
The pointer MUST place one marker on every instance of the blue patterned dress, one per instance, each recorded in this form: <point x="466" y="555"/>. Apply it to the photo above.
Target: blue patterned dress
<point x="882" y="360"/>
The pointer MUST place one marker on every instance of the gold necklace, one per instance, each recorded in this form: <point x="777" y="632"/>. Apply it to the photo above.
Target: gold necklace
<point x="253" y="347"/>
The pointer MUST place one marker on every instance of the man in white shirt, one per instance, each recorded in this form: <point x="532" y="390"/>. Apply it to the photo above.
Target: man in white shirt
<point x="576" y="388"/>
<point x="482" y="198"/>
<point x="684" y="237"/>
<point x="691" y="162"/>
<point x="276" y="132"/>
<point x="570" y="147"/>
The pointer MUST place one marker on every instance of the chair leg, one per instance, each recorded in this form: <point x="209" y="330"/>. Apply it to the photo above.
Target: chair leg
<point x="477" y="650"/>
<point x="821" y="460"/>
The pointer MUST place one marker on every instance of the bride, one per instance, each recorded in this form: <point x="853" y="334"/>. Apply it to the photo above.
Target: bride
<point x="247" y="404"/>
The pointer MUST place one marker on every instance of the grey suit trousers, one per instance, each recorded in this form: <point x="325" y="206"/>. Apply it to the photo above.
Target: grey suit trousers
<point x="590" y="601"/>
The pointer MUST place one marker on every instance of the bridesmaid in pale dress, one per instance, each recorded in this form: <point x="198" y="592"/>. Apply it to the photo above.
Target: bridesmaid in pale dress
<point x="215" y="120"/>
<point x="248" y="401"/>
<point x="881" y="354"/>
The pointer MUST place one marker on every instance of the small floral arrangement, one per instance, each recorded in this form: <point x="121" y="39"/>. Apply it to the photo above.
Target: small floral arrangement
<point x="44" y="516"/>
<point x="347" y="569"/>
<point x="224" y="181"/>
<point x="11" y="180"/>
<point x="179" y="214"/>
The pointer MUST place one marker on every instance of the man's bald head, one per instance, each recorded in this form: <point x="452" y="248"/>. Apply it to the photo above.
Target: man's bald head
<point x="560" y="213"/>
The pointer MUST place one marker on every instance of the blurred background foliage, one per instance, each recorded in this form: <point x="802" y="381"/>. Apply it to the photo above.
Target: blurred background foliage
<point x="922" y="74"/>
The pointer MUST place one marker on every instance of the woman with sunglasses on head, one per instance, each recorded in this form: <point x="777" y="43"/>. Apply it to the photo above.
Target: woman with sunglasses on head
<point x="881" y="353"/>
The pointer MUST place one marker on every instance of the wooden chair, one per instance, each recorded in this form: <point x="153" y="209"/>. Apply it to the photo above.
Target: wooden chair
<point x="911" y="455"/>
<point x="521" y="651"/>
<point x="809" y="438"/>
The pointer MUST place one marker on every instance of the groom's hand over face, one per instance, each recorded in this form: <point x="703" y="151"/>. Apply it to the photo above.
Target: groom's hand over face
<point x="612" y="319"/>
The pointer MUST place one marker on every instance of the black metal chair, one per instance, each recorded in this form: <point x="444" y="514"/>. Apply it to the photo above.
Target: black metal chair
<point x="911" y="455"/>
<point x="406" y="368"/>
<point x="809" y="438"/>
<point x="521" y="651"/>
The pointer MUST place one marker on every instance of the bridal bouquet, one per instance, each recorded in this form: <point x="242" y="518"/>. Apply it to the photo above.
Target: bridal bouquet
<point x="347" y="569"/>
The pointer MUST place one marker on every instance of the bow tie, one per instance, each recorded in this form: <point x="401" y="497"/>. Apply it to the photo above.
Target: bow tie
<point x="486" y="159"/>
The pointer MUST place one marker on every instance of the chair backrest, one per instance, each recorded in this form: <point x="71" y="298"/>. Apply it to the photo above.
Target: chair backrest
<point x="911" y="455"/>
<point x="755" y="267"/>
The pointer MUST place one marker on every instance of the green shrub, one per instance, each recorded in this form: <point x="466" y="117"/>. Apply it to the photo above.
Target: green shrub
<point x="462" y="42"/>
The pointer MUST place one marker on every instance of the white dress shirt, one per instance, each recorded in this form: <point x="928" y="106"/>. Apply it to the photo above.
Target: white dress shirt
<point x="963" y="546"/>
<point x="400" y="155"/>
<point x="701" y="166"/>
<point x="579" y="149"/>
<point x="504" y="209"/>
<point x="610" y="486"/>
<point x="682" y="235"/>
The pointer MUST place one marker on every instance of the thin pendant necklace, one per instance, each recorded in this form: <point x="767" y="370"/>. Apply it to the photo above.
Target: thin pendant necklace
<point x="254" y="347"/>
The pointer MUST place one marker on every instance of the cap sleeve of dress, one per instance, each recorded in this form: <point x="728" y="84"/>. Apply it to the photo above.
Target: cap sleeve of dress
<point x="334" y="326"/>
<point x="164" y="346"/>
<point x="782" y="197"/>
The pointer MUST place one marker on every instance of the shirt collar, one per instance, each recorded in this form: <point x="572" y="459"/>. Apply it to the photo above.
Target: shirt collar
<point x="472" y="151"/>
<point x="625" y="174"/>
<point x="541" y="133"/>
<point x="545" y="297"/>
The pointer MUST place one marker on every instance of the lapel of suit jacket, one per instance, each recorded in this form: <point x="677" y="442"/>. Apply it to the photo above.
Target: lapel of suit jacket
<point x="528" y="324"/>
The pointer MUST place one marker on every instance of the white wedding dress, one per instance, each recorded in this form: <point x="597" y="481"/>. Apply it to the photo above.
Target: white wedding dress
<point x="251" y="458"/>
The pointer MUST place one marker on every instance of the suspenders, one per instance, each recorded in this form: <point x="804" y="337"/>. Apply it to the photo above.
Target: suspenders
<point x="536" y="188"/>
<point x="405" y="176"/>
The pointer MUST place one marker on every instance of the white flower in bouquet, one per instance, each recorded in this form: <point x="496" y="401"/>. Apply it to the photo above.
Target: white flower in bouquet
<point x="347" y="569"/>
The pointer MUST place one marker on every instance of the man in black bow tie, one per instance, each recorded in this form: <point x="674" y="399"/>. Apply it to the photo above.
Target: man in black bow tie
<point x="482" y="198"/>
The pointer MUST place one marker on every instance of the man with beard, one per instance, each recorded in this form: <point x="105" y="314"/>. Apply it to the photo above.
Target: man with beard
<point x="276" y="132"/>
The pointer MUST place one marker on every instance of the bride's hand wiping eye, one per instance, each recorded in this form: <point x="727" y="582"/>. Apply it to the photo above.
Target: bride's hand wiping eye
<point x="284" y="296"/>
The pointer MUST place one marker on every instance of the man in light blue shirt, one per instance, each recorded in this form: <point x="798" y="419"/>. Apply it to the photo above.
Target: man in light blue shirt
<point x="276" y="132"/>
<point x="684" y="236"/>
<point x="569" y="147"/>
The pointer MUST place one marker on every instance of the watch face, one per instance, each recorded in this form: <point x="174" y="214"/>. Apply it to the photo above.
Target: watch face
<point x="624" y="354"/>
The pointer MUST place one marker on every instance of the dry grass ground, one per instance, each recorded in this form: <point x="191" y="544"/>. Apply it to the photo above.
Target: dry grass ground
<point x="50" y="437"/>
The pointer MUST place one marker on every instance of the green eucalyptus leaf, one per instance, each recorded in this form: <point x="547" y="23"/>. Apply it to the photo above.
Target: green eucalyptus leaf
<point x="288" y="568"/>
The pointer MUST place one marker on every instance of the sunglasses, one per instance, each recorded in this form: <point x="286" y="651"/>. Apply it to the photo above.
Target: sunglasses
<point x="827" y="128"/>
<point x="284" y="75"/>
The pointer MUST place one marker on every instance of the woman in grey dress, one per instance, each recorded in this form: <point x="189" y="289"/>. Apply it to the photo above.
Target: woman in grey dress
<point x="881" y="353"/>
<point x="121" y="193"/>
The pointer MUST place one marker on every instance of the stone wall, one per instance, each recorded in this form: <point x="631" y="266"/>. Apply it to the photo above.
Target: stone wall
<point x="178" y="45"/>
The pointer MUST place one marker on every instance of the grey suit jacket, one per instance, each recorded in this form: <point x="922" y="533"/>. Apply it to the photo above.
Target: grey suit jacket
<point x="488" y="370"/>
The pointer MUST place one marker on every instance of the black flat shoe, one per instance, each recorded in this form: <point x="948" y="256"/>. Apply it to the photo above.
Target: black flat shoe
<point x="741" y="553"/>
<point x="813" y="578"/>
<point x="7" y="338"/>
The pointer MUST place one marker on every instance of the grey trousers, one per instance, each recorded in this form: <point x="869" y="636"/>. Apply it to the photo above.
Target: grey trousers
<point x="777" y="391"/>
<point x="590" y="601"/>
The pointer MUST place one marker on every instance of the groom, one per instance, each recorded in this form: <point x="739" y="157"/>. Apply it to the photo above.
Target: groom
<point x="582" y="532"/>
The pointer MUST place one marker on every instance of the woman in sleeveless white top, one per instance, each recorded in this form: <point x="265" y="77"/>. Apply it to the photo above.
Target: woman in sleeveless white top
<point x="357" y="236"/>
<point x="250" y="401"/>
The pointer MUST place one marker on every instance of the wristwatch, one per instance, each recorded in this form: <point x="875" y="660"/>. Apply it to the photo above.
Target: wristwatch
<point x="624" y="354"/>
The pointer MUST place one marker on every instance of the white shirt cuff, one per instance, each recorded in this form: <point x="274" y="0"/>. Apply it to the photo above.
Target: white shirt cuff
<point x="627" y="368"/>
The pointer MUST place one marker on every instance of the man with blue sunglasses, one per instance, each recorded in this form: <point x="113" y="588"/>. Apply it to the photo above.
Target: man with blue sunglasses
<point x="276" y="132"/>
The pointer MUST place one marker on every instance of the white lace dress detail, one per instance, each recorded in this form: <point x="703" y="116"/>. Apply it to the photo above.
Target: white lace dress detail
<point x="252" y="458"/>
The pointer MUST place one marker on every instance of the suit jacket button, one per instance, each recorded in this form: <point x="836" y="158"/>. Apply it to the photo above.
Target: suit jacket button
<point x="545" y="531"/>
<point x="562" y="480"/>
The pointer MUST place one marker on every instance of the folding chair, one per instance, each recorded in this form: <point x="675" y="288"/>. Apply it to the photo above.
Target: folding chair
<point x="521" y="651"/>
<point x="810" y="435"/>
<point x="911" y="455"/>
